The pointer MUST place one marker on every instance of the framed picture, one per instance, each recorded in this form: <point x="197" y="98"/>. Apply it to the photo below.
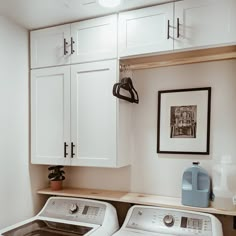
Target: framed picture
<point x="183" y="125"/>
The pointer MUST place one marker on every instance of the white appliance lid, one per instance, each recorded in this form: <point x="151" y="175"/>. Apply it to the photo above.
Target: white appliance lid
<point x="48" y="228"/>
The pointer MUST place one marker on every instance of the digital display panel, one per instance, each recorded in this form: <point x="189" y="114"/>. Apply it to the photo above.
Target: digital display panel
<point x="90" y="210"/>
<point x="184" y="221"/>
<point x="191" y="223"/>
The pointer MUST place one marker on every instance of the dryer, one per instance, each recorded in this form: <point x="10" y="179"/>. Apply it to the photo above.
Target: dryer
<point x="68" y="216"/>
<point x="157" y="221"/>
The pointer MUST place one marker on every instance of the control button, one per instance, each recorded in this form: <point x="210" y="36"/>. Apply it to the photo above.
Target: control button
<point x="169" y="220"/>
<point x="73" y="208"/>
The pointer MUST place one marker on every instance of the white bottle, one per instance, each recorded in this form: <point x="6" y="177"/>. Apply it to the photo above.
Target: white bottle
<point x="224" y="184"/>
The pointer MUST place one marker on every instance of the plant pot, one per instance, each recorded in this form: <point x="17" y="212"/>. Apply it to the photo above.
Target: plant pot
<point x="56" y="185"/>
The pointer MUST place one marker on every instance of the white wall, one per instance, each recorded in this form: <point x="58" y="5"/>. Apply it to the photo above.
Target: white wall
<point x="18" y="179"/>
<point x="161" y="174"/>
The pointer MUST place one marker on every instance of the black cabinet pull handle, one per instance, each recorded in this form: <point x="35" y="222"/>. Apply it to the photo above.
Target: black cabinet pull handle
<point x="178" y="26"/>
<point x="65" y="147"/>
<point x="65" y="44"/>
<point x="168" y="29"/>
<point x="72" y="150"/>
<point x="72" y="45"/>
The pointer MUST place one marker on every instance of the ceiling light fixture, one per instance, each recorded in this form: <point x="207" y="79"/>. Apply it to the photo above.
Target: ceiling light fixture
<point x="109" y="3"/>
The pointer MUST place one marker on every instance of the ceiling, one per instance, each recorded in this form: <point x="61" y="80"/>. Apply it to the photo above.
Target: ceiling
<point x="34" y="14"/>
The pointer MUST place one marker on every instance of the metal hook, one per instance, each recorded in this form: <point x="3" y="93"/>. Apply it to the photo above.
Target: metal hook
<point x="125" y="71"/>
<point x="122" y="67"/>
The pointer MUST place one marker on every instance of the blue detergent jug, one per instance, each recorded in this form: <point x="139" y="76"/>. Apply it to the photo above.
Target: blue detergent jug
<point x="195" y="186"/>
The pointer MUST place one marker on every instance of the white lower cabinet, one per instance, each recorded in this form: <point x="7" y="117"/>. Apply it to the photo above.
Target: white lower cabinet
<point x="50" y="115"/>
<point x="75" y="118"/>
<point x="93" y="114"/>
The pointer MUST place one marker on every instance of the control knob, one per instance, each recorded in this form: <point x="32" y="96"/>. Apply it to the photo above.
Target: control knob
<point x="169" y="220"/>
<point x="73" y="208"/>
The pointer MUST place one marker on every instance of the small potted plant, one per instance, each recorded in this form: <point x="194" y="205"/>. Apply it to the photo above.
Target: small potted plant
<point x="56" y="176"/>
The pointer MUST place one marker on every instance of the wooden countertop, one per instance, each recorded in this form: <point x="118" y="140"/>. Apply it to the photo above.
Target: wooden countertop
<point x="134" y="198"/>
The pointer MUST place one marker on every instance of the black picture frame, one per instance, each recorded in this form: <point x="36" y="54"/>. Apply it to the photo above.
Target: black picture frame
<point x="183" y="121"/>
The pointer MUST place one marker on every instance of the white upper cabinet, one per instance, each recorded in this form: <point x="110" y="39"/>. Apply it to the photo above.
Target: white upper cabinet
<point x="146" y="30"/>
<point x="204" y="23"/>
<point x="93" y="114"/>
<point x="50" y="115"/>
<point x="180" y="25"/>
<point x="85" y="41"/>
<point x="94" y="39"/>
<point x="49" y="47"/>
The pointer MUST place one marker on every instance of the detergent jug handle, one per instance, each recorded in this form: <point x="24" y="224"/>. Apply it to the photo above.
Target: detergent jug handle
<point x="196" y="163"/>
<point x="195" y="175"/>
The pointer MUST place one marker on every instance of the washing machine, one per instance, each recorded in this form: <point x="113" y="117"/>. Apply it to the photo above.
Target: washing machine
<point x="68" y="216"/>
<point x="156" y="221"/>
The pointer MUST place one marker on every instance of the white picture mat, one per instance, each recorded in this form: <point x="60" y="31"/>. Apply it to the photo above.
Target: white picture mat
<point x="185" y="98"/>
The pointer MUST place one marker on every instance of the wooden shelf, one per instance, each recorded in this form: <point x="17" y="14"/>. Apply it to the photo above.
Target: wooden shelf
<point x="181" y="58"/>
<point x="135" y="198"/>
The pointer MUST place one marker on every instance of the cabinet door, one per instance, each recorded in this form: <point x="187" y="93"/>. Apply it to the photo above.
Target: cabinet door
<point x="205" y="23"/>
<point x="93" y="114"/>
<point x="94" y="39"/>
<point x="50" y="110"/>
<point x="146" y="30"/>
<point x="50" y="47"/>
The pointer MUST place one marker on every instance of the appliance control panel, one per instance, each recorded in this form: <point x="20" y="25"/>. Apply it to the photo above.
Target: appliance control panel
<point x="162" y="220"/>
<point x="75" y="209"/>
